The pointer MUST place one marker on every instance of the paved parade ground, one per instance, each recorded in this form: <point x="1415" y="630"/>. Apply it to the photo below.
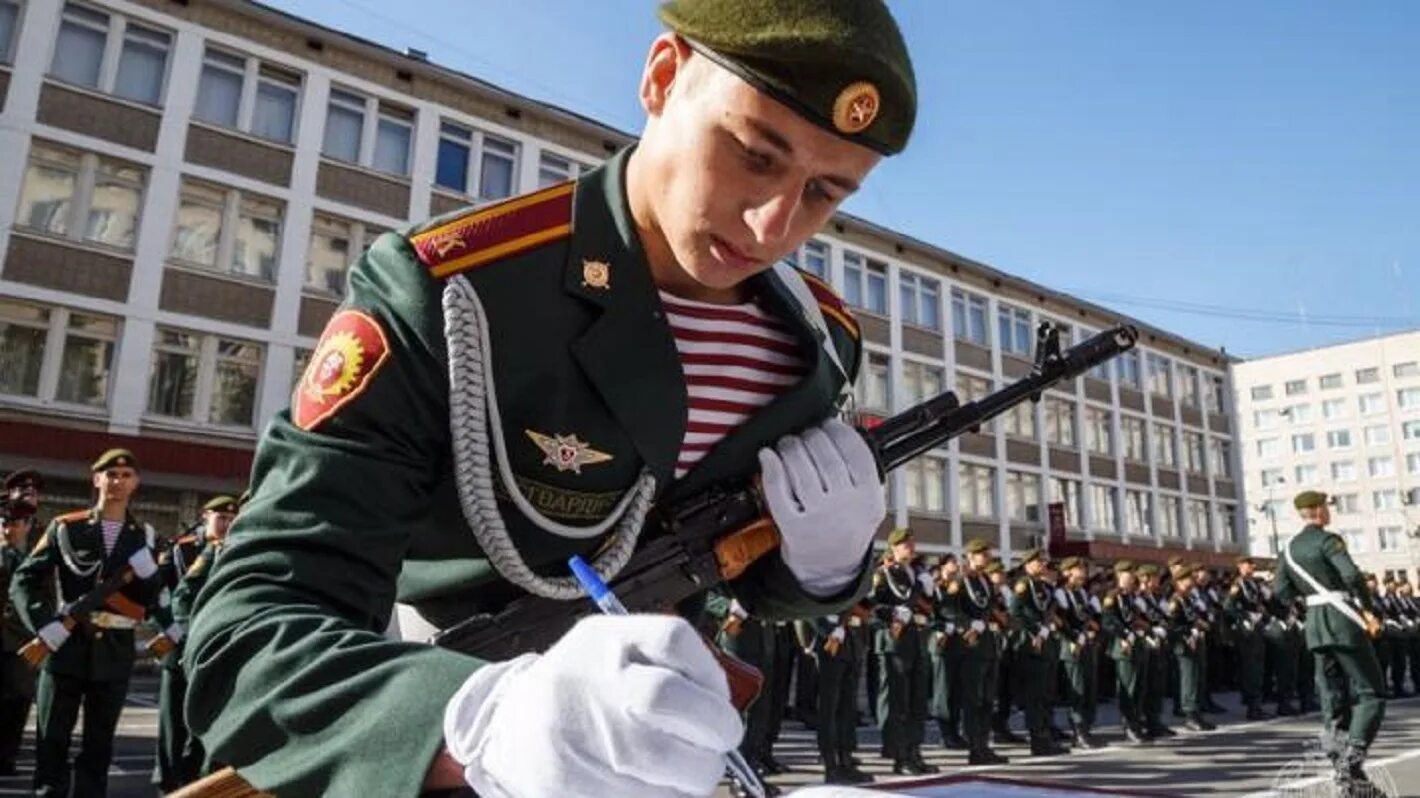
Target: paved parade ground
<point x="1241" y="759"/>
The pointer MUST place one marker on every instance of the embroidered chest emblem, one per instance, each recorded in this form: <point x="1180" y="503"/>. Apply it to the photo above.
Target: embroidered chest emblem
<point x="566" y="452"/>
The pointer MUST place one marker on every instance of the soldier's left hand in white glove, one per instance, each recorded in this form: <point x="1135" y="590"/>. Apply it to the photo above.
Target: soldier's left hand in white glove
<point x="826" y="497"/>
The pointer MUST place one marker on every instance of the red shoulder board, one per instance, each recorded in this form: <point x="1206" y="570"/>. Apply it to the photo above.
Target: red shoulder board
<point x="830" y="303"/>
<point x="352" y="348"/>
<point x="497" y="231"/>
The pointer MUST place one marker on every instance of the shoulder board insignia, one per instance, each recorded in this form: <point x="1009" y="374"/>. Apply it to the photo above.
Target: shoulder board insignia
<point x="1109" y="601"/>
<point x="487" y="234"/>
<point x="953" y="586"/>
<point x="830" y="303"/>
<point x="1236" y="590"/>
<point x="1337" y="544"/>
<point x="198" y="566"/>
<point x="1022" y="586"/>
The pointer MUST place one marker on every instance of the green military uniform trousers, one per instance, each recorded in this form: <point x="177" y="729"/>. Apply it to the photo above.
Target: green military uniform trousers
<point x="1156" y="684"/>
<point x="1131" y="675"/>
<point x="1188" y="662"/>
<point x="1081" y="665"/>
<point x="837" y="711"/>
<point x="1283" y="653"/>
<point x="1252" y="653"/>
<point x="1032" y="669"/>
<point x="980" y="670"/>
<point x="179" y="754"/>
<point x="1351" y="684"/>
<point x="58" y="701"/>
<point x="905" y="671"/>
<point x="947" y="653"/>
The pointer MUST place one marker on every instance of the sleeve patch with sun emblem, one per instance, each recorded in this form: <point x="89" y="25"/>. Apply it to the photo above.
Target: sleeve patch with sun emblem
<point x="351" y="350"/>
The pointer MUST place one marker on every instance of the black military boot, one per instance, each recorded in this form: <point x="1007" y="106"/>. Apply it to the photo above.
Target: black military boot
<point x="1001" y="734"/>
<point x="1286" y="708"/>
<point x="1044" y="745"/>
<point x="1084" y="740"/>
<point x="923" y="764"/>
<point x="951" y="739"/>
<point x="1136" y="736"/>
<point x="1196" y="722"/>
<point x="1160" y="730"/>
<point x="849" y="768"/>
<point x="1256" y="712"/>
<point x="983" y="755"/>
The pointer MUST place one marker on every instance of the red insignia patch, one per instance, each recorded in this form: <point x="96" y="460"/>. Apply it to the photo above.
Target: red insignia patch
<point x="351" y="350"/>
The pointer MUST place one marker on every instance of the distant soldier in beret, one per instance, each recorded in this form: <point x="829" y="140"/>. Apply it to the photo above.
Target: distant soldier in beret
<point x="1248" y="609"/>
<point x="1151" y="603"/>
<point x="1340" y="627"/>
<point x="1033" y="614"/>
<point x="17" y="679"/>
<point x="88" y="666"/>
<point x="1079" y="649"/>
<point x="976" y="611"/>
<point x="1188" y="629"/>
<point x="947" y="652"/>
<point x="1130" y="646"/>
<point x="179" y="756"/>
<point x="520" y="382"/>
<point x="899" y="599"/>
<point x="22" y="499"/>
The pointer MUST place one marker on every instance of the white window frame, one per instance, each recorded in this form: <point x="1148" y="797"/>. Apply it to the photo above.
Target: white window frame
<point x="1220" y="456"/>
<point x="373" y="110"/>
<point x="876" y="367"/>
<point x="1380" y="467"/>
<point x="1386" y="499"/>
<point x="1367" y="376"/>
<point x="968" y="488"/>
<point x="1261" y="393"/>
<point x="1136" y="446"/>
<point x="1195" y="456"/>
<point x="7" y="47"/>
<point x="1295" y="387"/>
<point x="1348" y="503"/>
<point x="1330" y="382"/>
<point x="86" y="180"/>
<point x="115" y="35"/>
<point x="1160" y="371"/>
<point x="1165" y="445"/>
<point x="916" y="376"/>
<point x="860" y="273"/>
<point x="1376" y="435"/>
<point x="1407" y="399"/>
<point x="1189" y="390"/>
<point x="1376" y="400"/>
<point x="1020" y="322"/>
<point x="918" y="293"/>
<point x="476" y="143"/>
<point x="921" y="472"/>
<point x="1138" y="513"/>
<point x="1099" y="429"/>
<point x="1410" y="368"/>
<point x="816" y="251"/>
<point x="207" y="357"/>
<point x="1060" y="427"/>
<point x="1129" y="368"/>
<point x="1067" y="491"/>
<point x="964" y="305"/>
<point x="1017" y="487"/>
<point x="56" y="329"/>
<point x="254" y="73"/>
<point x="1303" y="442"/>
<point x="227" y="236"/>
<point x="1334" y="439"/>
<point x="1343" y="471"/>
<point x="361" y="236"/>
<point x="1332" y="409"/>
<point x="1104" y="512"/>
<point x="573" y="168"/>
<point x="1307" y="474"/>
<point x="1196" y="514"/>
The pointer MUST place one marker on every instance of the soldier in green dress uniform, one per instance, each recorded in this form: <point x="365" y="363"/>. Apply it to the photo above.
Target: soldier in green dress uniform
<point x="1033" y="615"/>
<point x="837" y="647"/>
<point x="1340" y="627"/>
<point x="1079" y="650"/>
<point x="17" y="678"/>
<point x="1188" y="629"/>
<point x="507" y="376"/>
<point x="901" y="645"/>
<point x="88" y="666"/>
<point x="976" y="610"/>
<point x="1130" y="648"/>
<point x="1150" y="602"/>
<point x="179" y="756"/>
<point x="947" y="652"/>
<point x="1248" y="610"/>
<point x="754" y="642"/>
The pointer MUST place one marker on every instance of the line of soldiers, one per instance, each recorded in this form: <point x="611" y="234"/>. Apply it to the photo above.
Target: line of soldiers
<point x="965" y="644"/>
<point x="85" y="660"/>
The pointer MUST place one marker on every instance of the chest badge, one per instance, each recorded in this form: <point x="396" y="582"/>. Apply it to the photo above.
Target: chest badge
<point x="566" y="452"/>
<point x="596" y="274"/>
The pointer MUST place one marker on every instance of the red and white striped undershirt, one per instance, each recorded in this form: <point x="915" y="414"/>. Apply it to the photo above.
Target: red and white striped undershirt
<point x="736" y="359"/>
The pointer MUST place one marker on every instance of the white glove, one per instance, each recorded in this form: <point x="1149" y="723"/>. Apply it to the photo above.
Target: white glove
<point x="825" y="495"/>
<point x="142" y="562"/>
<point x="902" y="614"/>
<point x="926" y="582"/>
<point x="951" y="628"/>
<point x="838" y="634"/>
<point x="621" y="705"/>
<point x="53" y="634"/>
<point x="737" y="610"/>
<point x="978" y="627"/>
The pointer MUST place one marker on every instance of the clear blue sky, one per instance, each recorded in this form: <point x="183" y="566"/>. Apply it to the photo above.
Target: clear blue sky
<point x="1262" y="158"/>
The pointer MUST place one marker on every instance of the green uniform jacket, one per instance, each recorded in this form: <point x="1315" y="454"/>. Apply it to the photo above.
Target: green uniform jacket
<point x="1032" y="600"/>
<point x="1081" y="626"/>
<point x="172" y="565"/>
<point x="1323" y="555"/>
<point x="90" y="653"/>
<point x="297" y="687"/>
<point x="13" y="632"/>
<point x="1118" y="619"/>
<point x="896" y="586"/>
<point x="970" y="602"/>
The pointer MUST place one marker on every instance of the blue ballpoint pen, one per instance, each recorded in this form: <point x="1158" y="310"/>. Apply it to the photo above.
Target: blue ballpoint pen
<point x="607" y="602"/>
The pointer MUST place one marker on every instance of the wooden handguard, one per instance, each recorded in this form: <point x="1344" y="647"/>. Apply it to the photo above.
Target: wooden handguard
<point x="161" y="646"/>
<point x="1374" y="627"/>
<point x="745" y="679"/>
<point x="225" y="783"/>
<point x="738" y="550"/>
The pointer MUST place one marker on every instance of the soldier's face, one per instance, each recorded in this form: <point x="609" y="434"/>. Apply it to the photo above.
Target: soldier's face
<point x="116" y="484"/>
<point x="902" y="552"/>
<point x="734" y="180"/>
<point x="1127" y="580"/>
<point x="16" y="531"/>
<point x="1245" y="569"/>
<point x="218" y="524"/>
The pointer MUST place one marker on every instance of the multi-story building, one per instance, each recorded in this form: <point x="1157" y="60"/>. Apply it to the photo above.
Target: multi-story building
<point x="191" y="179"/>
<point x="1344" y="419"/>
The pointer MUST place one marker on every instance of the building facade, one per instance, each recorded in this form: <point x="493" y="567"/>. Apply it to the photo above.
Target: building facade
<point x="1343" y="419"/>
<point x="196" y="177"/>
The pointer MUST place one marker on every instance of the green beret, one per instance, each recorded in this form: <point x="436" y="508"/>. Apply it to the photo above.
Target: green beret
<point x="993" y="567"/>
<point x="1175" y="560"/>
<point x="1072" y="562"/>
<point x="1147" y="569"/>
<point x="841" y="64"/>
<point x="1308" y="499"/>
<point x="1121" y="566"/>
<point x="114" y="458"/>
<point x="221" y="504"/>
<point x="977" y="545"/>
<point x="899" y="535"/>
<point x="1032" y="554"/>
<point x="1180" y="570"/>
<point x="23" y="477"/>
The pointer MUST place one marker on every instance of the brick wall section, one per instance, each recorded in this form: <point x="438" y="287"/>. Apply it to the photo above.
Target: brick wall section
<point x="362" y="189"/>
<point x="94" y="116"/>
<point x="270" y="164"/>
<point x="216" y="298"/>
<point x="51" y="264"/>
<point x="315" y="312"/>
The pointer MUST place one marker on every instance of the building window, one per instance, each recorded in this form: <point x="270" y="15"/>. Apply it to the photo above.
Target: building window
<point x="1333" y="408"/>
<point x="344" y="126"/>
<point x="1067" y="492"/>
<point x="812" y="257"/>
<point x="1271" y="476"/>
<point x="1381" y="467"/>
<point x="873" y="393"/>
<point x="1193" y="455"/>
<point x="134" y="67"/>
<point x="1410" y="369"/>
<point x="298" y="366"/>
<point x="1408" y="398"/>
<point x="1329" y="382"/>
<point x="1338" y="439"/>
<point x="81" y="196"/>
<point x="1304" y="443"/>
<point x="1099" y="431"/>
<point x="1188" y="385"/>
<point x="926" y="484"/>
<point x="969" y="318"/>
<point x="1295" y="387"/>
<point x="476" y="163"/>
<point x="9" y="23"/>
<point x="1390" y="538"/>
<point x="1023" y="496"/>
<point x="204" y="378"/>
<point x="1372" y="403"/>
<point x="1137" y="513"/>
<point x="1261" y="393"/>
<point x="1198" y="520"/>
<point x="1266" y="419"/>
<point x="1059" y="421"/>
<point x="977" y="491"/>
<point x="1385" y="499"/>
<point x="1412" y="463"/>
<point x="1410" y="431"/>
<point x="1169" y="507"/>
<point x="1132" y="431"/>
<point x="1102" y="507"/>
<point x="1299" y="414"/>
<point x="365" y="131"/>
<point x="1215" y="394"/>
<point x="553" y="169"/>
<point x="1355" y="540"/>
<point x="1308" y="475"/>
<point x="1347" y="503"/>
<point x="55" y="354"/>
<point x="1013" y="326"/>
<point x="1160" y="376"/>
<point x="1221" y="453"/>
<point x="1127" y="366"/>
<point x="921" y="297"/>
<point x="244" y="94"/>
<point x="393" y="131"/>
<point x="1165" y="446"/>
<point x="1343" y="471"/>
<point x="1376" y="435"/>
<point x="920" y="382"/>
<point x="1019" y="421"/>
<point x="1367" y="376"/>
<point x="1227" y="523"/>
<point x="970" y="388"/>
<point x="335" y="243"/>
<point x="227" y="231"/>
<point x="864" y="283"/>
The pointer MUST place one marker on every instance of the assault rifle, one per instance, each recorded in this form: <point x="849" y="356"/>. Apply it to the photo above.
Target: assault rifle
<point x="714" y="536"/>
